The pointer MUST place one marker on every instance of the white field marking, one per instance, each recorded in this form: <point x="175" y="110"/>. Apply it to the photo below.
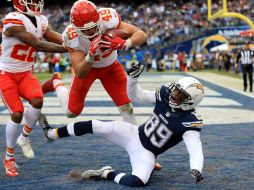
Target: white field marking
<point x="210" y="116"/>
<point x="229" y="83"/>
<point x="211" y="101"/>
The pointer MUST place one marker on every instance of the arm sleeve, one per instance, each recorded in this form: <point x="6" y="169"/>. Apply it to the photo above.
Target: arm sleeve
<point x="139" y="95"/>
<point x="194" y="147"/>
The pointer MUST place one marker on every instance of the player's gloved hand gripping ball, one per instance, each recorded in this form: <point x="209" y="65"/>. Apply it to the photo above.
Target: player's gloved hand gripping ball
<point x="94" y="46"/>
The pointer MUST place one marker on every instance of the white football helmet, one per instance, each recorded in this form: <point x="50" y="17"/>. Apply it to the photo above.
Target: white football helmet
<point x="186" y="93"/>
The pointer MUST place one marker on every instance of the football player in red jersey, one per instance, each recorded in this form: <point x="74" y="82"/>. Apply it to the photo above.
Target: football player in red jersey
<point x="21" y="38"/>
<point x="83" y="38"/>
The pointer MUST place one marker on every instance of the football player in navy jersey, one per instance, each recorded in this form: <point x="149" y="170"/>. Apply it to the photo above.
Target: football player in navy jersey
<point x="174" y="119"/>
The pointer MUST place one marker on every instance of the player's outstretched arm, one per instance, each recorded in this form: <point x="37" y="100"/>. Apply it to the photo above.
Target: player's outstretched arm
<point x="28" y="38"/>
<point x="192" y="141"/>
<point x="135" y="92"/>
<point x="53" y="36"/>
<point x="138" y="37"/>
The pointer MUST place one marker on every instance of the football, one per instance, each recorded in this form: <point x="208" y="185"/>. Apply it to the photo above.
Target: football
<point x="118" y="32"/>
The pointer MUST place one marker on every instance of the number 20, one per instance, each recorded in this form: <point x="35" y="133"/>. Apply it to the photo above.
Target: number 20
<point x="23" y="52"/>
<point x="152" y="127"/>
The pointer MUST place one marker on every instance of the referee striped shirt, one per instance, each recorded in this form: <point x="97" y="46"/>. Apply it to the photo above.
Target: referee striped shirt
<point x="246" y="56"/>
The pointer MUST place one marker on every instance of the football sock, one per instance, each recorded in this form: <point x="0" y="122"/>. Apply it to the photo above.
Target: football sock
<point x="129" y="118"/>
<point x="57" y="83"/>
<point x="127" y="114"/>
<point x="62" y="93"/>
<point x="9" y="153"/>
<point x="31" y="117"/>
<point x="12" y="130"/>
<point x="73" y="129"/>
<point x="122" y="178"/>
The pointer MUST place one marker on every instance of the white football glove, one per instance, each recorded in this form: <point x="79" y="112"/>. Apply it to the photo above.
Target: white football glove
<point x="136" y="70"/>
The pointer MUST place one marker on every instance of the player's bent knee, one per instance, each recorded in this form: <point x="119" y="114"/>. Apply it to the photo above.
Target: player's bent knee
<point x="132" y="181"/>
<point x="37" y="103"/>
<point x="17" y="117"/>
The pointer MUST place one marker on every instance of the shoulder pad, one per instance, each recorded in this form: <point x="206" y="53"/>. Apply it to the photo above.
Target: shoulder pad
<point x="14" y="15"/>
<point x="44" y="23"/>
<point x="157" y="93"/>
<point x="194" y="121"/>
<point x="162" y="94"/>
<point x="70" y="39"/>
<point x="110" y="18"/>
<point x="197" y="116"/>
<point x="194" y="124"/>
<point x="12" y="19"/>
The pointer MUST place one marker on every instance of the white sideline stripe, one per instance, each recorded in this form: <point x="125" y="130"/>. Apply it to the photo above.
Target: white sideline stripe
<point x="92" y="110"/>
<point x="210" y="101"/>
<point x="209" y="115"/>
<point x="227" y="87"/>
<point x="225" y="115"/>
<point x="207" y="101"/>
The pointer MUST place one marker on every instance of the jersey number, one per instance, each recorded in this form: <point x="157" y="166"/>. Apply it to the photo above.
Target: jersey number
<point x="23" y="53"/>
<point x="158" y="132"/>
<point x="71" y="33"/>
<point x="106" y="15"/>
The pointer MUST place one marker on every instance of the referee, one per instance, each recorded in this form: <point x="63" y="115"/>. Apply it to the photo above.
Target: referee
<point x="246" y="57"/>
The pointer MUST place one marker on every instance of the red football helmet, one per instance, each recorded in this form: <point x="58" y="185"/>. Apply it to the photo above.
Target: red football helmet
<point x="29" y="7"/>
<point x="86" y="19"/>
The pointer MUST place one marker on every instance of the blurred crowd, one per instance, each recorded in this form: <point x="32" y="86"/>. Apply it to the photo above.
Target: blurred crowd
<point x="162" y="20"/>
<point x="182" y="61"/>
<point x="165" y="22"/>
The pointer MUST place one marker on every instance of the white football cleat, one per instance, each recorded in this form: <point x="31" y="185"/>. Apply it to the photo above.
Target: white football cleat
<point x="25" y="145"/>
<point x="95" y="173"/>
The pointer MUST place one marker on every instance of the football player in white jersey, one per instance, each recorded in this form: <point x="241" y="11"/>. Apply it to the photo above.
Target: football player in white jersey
<point x="173" y="120"/>
<point x="83" y="40"/>
<point x="21" y="38"/>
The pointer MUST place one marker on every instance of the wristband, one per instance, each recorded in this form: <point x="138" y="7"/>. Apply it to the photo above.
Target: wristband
<point x="128" y="44"/>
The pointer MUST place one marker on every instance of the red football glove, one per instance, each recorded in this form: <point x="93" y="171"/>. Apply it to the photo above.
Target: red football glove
<point x="94" y="46"/>
<point x="115" y="42"/>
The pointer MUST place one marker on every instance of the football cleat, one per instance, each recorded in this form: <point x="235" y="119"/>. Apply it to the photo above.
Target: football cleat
<point x="11" y="167"/>
<point x="26" y="147"/>
<point x="97" y="174"/>
<point x="43" y="122"/>
<point x="48" y="86"/>
<point x="157" y="166"/>
<point x="75" y="174"/>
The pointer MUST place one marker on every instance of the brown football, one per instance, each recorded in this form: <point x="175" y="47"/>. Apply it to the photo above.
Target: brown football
<point x="118" y="32"/>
